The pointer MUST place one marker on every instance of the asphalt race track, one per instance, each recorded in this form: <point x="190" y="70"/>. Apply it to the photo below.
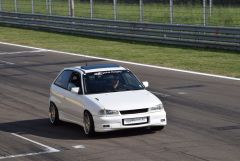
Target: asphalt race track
<point x="203" y="115"/>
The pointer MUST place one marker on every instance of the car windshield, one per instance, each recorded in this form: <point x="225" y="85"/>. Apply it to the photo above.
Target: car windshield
<point x="111" y="81"/>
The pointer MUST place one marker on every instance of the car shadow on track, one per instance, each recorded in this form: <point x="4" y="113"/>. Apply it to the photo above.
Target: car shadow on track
<point x="65" y="131"/>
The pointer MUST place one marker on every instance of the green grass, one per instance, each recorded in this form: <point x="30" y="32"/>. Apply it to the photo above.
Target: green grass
<point x="215" y="62"/>
<point x="153" y="12"/>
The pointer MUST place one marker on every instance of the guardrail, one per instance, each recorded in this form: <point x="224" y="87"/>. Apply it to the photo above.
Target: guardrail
<point x="187" y="35"/>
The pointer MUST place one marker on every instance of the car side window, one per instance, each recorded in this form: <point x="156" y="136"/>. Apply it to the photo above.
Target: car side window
<point x="128" y="77"/>
<point x="63" y="79"/>
<point x="75" y="81"/>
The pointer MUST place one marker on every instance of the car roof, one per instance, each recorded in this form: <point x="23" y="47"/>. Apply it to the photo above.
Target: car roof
<point x="98" y="68"/>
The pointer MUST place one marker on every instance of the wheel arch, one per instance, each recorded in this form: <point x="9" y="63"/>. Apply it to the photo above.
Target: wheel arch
<point x="59" y="112"/>
<point x="51" y="102"/>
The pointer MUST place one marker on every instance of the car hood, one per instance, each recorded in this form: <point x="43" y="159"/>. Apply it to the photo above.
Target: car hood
<point x="127" y="100"/>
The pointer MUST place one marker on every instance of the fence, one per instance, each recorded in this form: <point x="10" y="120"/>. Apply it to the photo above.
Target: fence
<point x="194" y="12"/>
<point x="187" y="35"/>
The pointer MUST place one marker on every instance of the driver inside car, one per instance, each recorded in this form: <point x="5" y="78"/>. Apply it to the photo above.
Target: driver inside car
<point x="74" y="82"/>
<point x="116" y="83"/>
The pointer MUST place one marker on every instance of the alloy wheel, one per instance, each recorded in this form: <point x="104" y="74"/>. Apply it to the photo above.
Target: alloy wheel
<point x="52" y="114"/>
<point x="87" y="123"/>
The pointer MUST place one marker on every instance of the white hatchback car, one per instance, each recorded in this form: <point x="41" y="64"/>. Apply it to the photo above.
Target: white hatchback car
<point x="104" y="97"/>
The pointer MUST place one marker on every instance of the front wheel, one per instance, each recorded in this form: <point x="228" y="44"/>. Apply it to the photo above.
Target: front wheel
<point x="53" y="114"/>
<point x="88" y="124"/>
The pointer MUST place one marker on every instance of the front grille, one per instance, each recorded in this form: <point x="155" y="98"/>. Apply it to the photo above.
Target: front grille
<point x="134" y="111"/>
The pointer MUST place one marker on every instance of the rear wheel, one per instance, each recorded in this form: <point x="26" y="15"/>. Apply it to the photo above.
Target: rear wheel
<point x="88" y="124"/>
<point x="53" y="114"/>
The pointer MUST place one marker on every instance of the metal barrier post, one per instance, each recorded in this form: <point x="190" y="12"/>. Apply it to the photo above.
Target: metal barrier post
<point x="15" y="6"/>
<point x="47" y="5"/>
<point x="50" y="7"/>
<point x="210" y="7"/>
<point x="171" y="11"/>
<point x="1" y="8"/>
<point x="91" y="9"/>
<point x="115" y="9"/>
<point x="32" y="6"/>
<point x="0" y="5"/>
<point x="71" y="8"/>
<point x="204" y="13"/>
<point x="141" y="10"/>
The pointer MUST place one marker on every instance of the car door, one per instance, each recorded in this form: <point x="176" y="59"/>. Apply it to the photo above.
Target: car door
<point x="59" y="91"/>
<point x="74" y="100"/>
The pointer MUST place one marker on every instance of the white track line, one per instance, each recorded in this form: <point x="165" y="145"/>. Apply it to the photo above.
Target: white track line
<point x="182" y="93"/>
<point x="6" y="62"/>
<point x="48" y="149"/>
<point x="127" y="62"/>
<point x="40" y="144"/>
<point x="79" y="146"/>
<point x="22" y="52"/>
<point x="22" y="155"/>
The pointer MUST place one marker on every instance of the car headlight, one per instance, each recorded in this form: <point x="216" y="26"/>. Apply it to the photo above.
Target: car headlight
<point x="156" y="108"/>
<point x="105" y="112"/>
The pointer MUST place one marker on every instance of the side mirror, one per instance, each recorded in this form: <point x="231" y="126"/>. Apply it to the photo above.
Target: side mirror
<point x="146" y="84"/>
<point x="75" y="90"/>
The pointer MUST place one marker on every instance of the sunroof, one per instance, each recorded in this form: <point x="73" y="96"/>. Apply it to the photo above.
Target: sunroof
<point x="89" y="67"/>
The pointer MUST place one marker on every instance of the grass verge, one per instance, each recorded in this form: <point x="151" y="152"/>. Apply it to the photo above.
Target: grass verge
<point x="208" y="61"/>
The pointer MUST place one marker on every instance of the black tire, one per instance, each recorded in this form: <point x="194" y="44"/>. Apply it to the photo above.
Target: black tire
<point x="157" y="128"/>
<point x="53" y="115"/>
<point x="88" y="124"/>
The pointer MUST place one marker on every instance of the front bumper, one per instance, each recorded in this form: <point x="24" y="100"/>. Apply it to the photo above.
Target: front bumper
<point x="112" y="123"/>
